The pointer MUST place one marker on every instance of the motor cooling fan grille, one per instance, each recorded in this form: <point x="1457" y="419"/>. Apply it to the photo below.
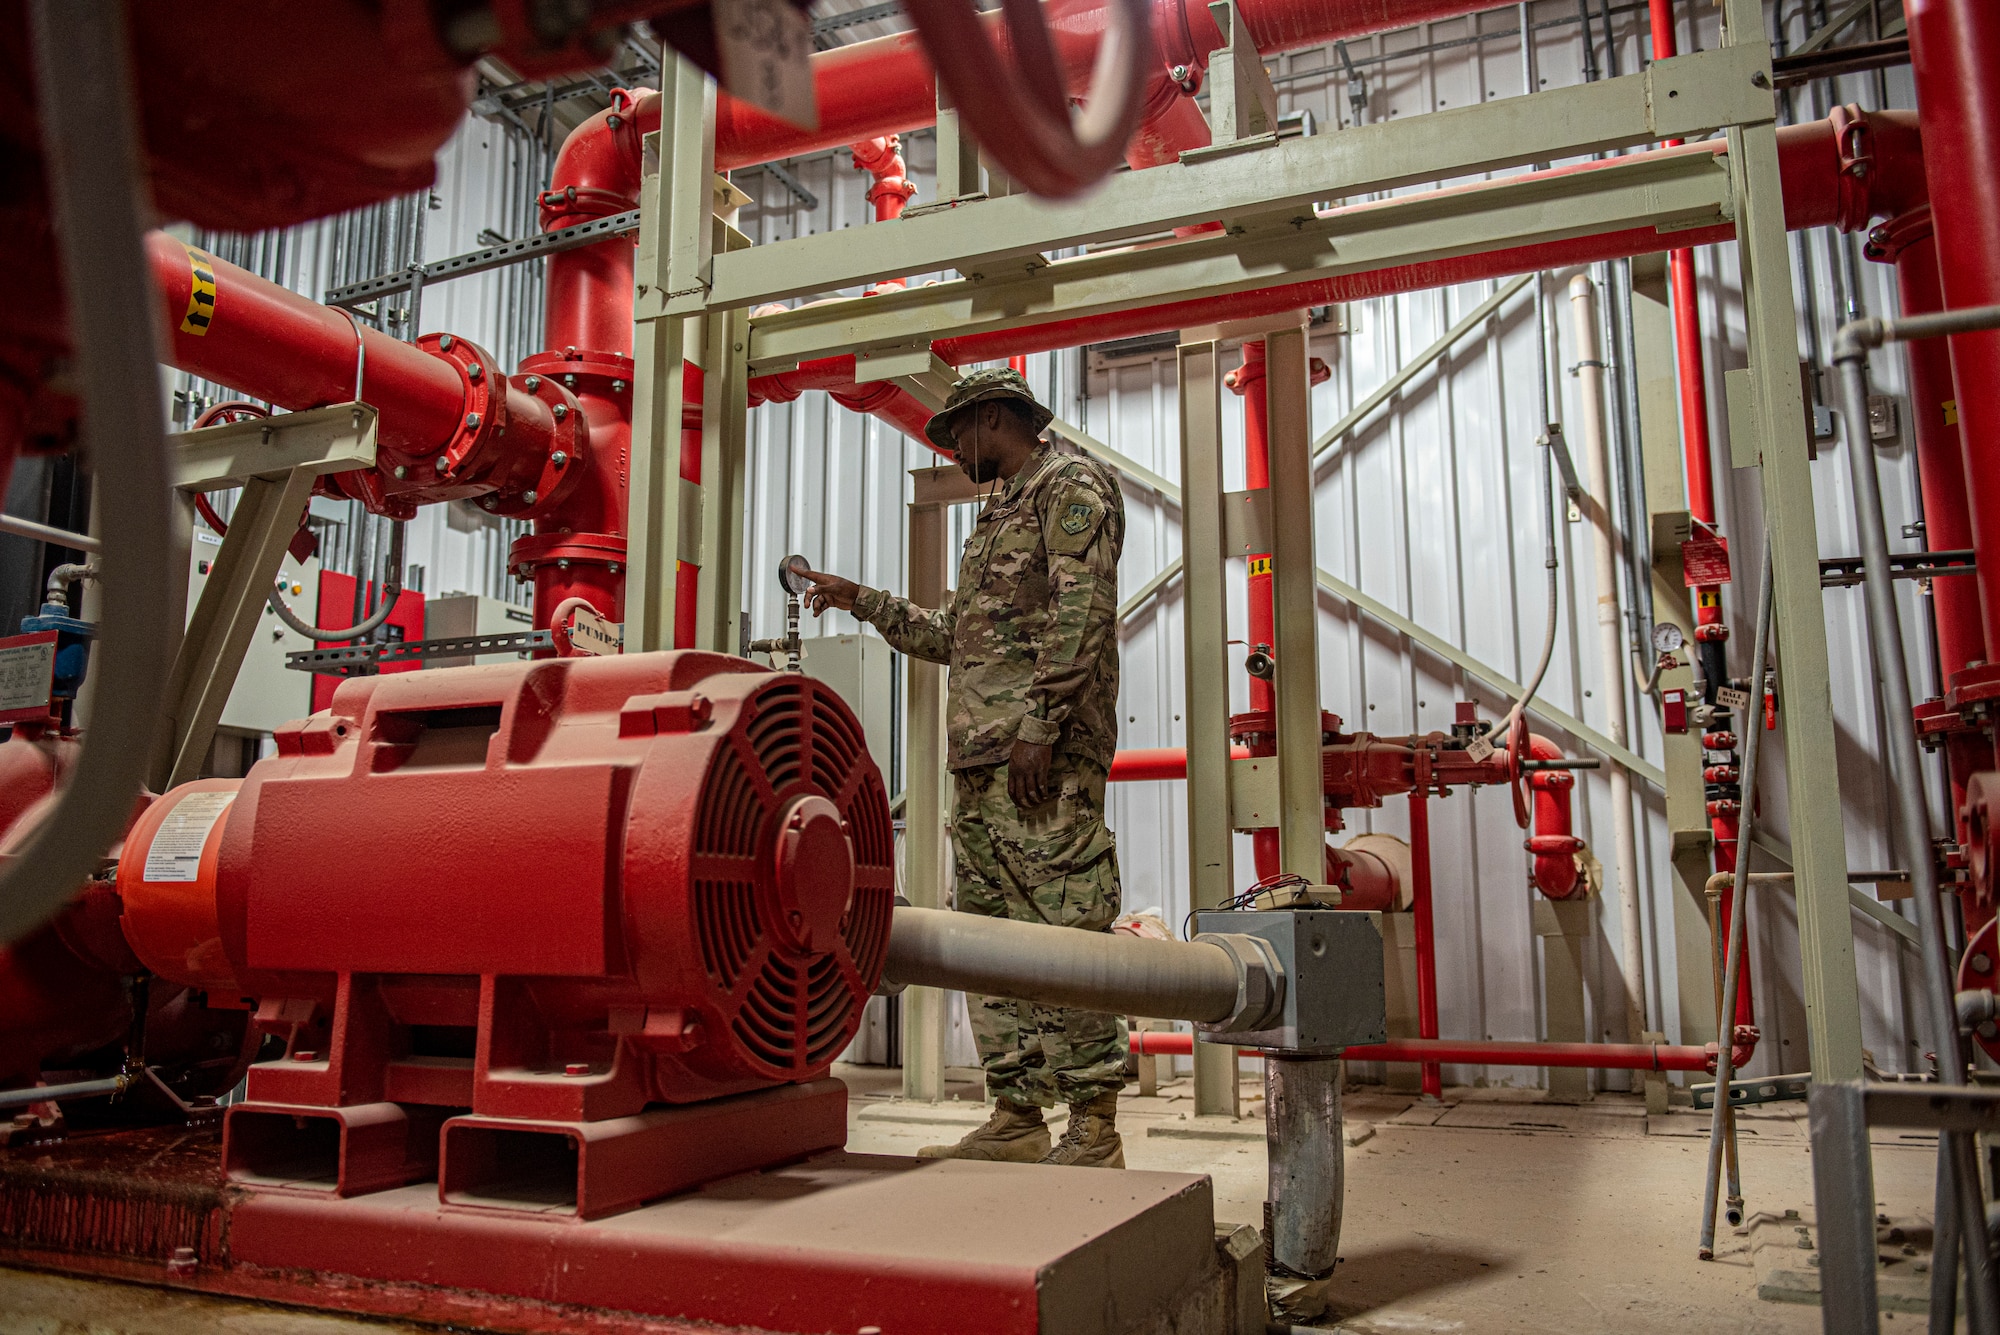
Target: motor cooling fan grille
<point x="791" y="1012"/>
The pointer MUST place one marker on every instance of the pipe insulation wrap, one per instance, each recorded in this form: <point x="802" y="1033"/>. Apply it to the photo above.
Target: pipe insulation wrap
<point x="1099" y="971"/>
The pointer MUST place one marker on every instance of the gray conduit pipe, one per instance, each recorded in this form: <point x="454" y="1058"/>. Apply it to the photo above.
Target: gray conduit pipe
<point x="1099" y="971"/>
<point x="83" y="88"/>
<point x="392" y="589"/>
<point x="1959" y="1188"/>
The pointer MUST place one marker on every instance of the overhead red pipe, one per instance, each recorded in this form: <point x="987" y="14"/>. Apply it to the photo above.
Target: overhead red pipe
<point x="1593" y="1056"/>
<point x="276" y="345"/>
<point x="1955" y="54"/>
<point x="887" y="85"/>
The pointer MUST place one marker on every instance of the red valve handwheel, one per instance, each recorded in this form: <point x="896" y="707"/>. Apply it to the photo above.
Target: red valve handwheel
<point x="1517" y="777"/>
<point x="235" y="410"/>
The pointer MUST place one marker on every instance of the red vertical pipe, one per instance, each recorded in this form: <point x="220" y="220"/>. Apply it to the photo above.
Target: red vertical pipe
<point x="1247" y="380"/>
<point x="1955" y="52"/>
<point x="1018" y="363"/>
<point x="1420" y="906"/>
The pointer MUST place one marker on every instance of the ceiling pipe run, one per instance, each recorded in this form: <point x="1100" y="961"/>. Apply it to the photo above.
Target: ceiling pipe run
<point x="888" y="85"/>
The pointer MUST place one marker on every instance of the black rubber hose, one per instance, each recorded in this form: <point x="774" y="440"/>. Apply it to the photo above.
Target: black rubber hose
<point x="90" y="143"/>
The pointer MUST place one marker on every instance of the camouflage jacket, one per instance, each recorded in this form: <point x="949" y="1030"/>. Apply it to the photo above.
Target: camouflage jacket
<point x="1030" y="633"/>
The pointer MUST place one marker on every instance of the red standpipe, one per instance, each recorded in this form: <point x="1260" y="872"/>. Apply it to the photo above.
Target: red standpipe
<point x="1955" y="53"/>
<point x="1910" y="244"/>
<point x="1426" y="932"/>
<point x="1147" y="764"/>
<point x="1553" y="844"/>
<point x="1593" y="1056"/>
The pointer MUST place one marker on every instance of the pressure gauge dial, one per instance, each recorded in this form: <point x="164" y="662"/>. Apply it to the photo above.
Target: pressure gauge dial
<point x="792" y="573"/>
<point x="1667" y="637"/>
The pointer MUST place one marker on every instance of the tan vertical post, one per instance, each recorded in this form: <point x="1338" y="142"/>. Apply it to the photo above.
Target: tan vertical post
<point x="1770" y="430"/>
<point x="674" y="242"/>
<point x="1204" y="616"/>
<point x="1667" y="514"/>
<point x="1295" y="609"/>
<point x="725" y="447"/>
<point x="925" y="802"/>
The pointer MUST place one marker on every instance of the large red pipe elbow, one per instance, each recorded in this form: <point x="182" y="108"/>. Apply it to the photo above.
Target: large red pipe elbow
<point x="1554" y="846"/>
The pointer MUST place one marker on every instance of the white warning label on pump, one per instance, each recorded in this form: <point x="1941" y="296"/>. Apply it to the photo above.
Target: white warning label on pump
<point x="27" y="675"/>
<point x="175" y="854"/>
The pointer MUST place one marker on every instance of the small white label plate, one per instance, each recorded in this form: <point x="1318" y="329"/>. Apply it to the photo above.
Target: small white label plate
<point x="175" y="854"/>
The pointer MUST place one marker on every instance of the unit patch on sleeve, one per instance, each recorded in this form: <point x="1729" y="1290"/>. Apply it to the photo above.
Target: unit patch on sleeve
<point x="1077" y="513"/>
<point x="201" y="293"/>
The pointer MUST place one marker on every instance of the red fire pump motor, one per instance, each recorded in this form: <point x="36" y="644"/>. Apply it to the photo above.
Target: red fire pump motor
<point x="554" y="892"/>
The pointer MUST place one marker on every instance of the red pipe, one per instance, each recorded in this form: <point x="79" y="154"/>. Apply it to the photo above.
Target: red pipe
<point x="1552" y="843"/>
<point x="1156" y="763"/>
<point x="888" y="86"/>
<point x="1909" y="242"/>
<point x="1955" y="53"/>
<point x="1430" y="1051"/>
<point x="1426" y="931"/>
<point x="276" y="345"/>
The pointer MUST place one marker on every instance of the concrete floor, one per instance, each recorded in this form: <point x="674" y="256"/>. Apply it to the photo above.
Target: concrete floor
<point x="1497" y="1211"/>
<point x="1494" y="1211"/>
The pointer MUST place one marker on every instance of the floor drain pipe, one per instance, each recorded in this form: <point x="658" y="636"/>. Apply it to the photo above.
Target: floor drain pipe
<point x="1306" y="1151"/>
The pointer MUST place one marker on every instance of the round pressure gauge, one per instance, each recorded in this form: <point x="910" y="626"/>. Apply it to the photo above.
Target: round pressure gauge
<point x="792" y="573"/>
<point x="1667" y="637"/>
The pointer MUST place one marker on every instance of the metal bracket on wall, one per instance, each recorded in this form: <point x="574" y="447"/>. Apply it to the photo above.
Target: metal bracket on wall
<point x="364" y="660"/>
<point x="480" y="261"/>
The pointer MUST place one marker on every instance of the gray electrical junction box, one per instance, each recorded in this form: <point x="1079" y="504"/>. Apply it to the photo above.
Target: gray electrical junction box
<point x="1332" y="961"/>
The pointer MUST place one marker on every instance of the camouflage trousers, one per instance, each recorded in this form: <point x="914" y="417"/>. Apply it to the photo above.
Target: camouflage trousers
<point x="1054" y="864"/>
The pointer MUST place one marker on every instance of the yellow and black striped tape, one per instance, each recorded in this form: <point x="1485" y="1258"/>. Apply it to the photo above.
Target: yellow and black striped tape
<point x="1260" y="565"/>
<point x="201" y="293"/>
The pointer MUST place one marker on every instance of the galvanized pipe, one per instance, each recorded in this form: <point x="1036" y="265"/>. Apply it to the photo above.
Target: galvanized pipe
<point x="1306" y="1156"/>
<point x="82" y="1089"/>
<point x="1958" y="1177"/>
<point x="1099" y="971"/>
<point x="1610" y="641"/>
<point x="1722" y="1120"/>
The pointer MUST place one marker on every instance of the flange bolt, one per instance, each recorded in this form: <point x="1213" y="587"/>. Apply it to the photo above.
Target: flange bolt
<point x="559" y="458"/>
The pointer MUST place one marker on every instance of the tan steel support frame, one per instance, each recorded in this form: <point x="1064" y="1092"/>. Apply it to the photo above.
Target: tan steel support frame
<point x="1211" y="840"/>
<point x="927" y="806"/>
<point x="1666" y="507"/>
<point x="1294" y="608"/>
<point x="675" y="242"/>
<point x="1819" y="844"/>
<point x="275" y="461"/>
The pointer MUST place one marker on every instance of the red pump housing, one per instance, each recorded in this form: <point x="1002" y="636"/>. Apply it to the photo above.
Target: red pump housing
<point x="559" y="890"/>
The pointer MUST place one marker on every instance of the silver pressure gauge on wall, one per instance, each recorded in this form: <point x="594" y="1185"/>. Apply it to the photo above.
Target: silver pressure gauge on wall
<point x="1667" y="637"/>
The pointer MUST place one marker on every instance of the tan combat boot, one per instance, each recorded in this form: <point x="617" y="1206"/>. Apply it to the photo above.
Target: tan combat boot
<point x="1015" y="1133"/>
<point x="1092" y="1138"/>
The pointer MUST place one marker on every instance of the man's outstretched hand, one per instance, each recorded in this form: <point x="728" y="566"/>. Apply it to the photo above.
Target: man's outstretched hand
<point x="1028" y="774"/>
<point x="830" y="591"/>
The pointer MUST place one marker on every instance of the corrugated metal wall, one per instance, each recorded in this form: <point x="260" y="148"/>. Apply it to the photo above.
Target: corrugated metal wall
<point x="1430" y="506"/>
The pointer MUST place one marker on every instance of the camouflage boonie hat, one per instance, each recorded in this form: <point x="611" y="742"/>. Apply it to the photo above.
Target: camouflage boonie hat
<point x="998" y="383"/>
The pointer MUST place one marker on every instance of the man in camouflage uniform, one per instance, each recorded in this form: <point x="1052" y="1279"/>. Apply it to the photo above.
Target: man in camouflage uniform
<point x="1030" y="636"/>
